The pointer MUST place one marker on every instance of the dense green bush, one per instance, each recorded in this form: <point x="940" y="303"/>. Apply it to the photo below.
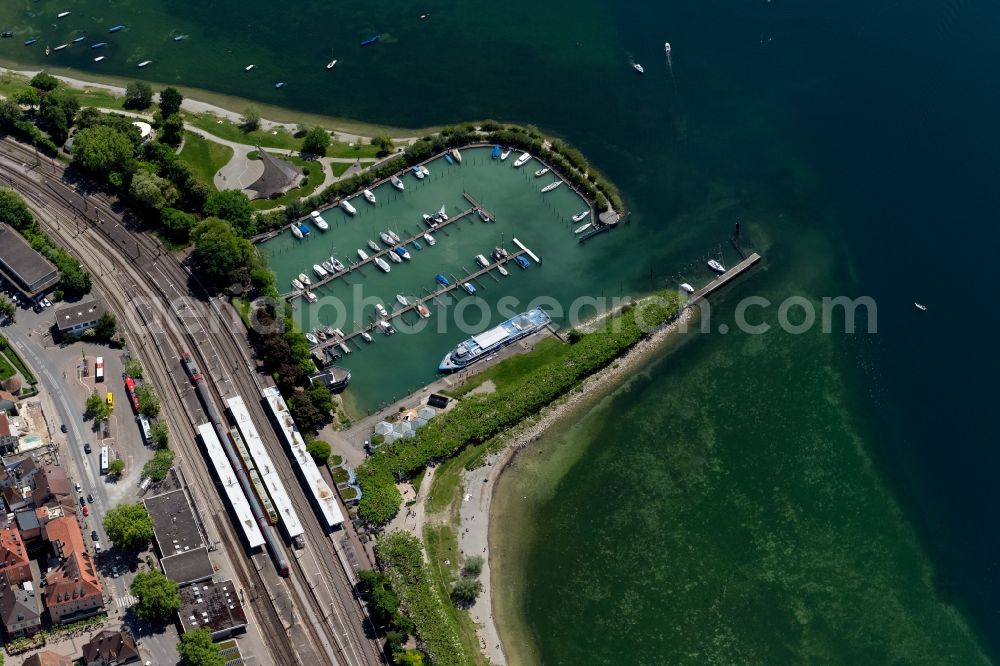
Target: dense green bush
<point x="478" y="418"/>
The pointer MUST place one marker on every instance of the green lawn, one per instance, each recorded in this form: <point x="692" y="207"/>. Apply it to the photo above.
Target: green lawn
<point x="340" y="149"/>
<point x="515" y="367"/>
<point x="103" y="99"/>
<point x="204" y="157"/>
<point x="227" y="129"/>
<point x="6" y="369"/>
<point x="313" y="170"/>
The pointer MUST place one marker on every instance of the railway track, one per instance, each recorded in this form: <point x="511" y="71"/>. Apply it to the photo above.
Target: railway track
<point x="65" y="223"/>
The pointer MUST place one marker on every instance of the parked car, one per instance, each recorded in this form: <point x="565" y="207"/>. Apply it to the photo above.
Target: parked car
<point x="64" y="428"/>
<point x="83" y="502"/>
<point x="86" y="510"/>
<point x="93" y="535"/>
<point x="86" y="447"/>
<point x="78" y="487"/>
<point x="90" y="499"/>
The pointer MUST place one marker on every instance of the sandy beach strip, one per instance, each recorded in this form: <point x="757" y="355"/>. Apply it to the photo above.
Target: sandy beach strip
<point x="475" y="510"/>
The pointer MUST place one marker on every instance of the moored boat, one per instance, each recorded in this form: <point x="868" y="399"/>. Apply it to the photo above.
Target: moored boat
<point x="380" y="309"/>
<point x="496" y="151"/>
<point x="401" y="251"/>
<point x="331" y="64"/>
<point x="469" y="288"/>
<point x="98" y="58"/>
<point x="505" y="154"/>
<point x="328" y="267"/>
<point x="716" y="266"/>
<point x="418" y="172"/>
<point x="60" y="47"/>
<point x="144" y="63"/>
<point x="448" y="158"/>
<point x="442" y="280"/>
<point x="312" y="339"/>
<point x="483" y="261"/>
<point x="336" y="264"/>
<point x="116" y="28"/>
<point x="639" y="68"/>
<point x="304" y="279"/>
<point x="98" y="45"/>
<point x="397" y="183"/>
<point x="583" y="227"/>
<point x="297" y="284"/>
<point x="366" y="336"/>
<point x="686" y="287"/>
<point x="541" y="172"/>
<point x="521" y="261"/>
<point x="29" y="42"/>
<point x="381" y="263"/>
<point x="386" y="327"/>
<point x="502" y="270"/>
<point x="423" y="311"/>
<point x="484" y="216"/>
<point x="456" y="154"/>
<point x="373" y="245"/>
<point x="500" y="253"/>
<point x="346" y="205"/>
<point x="343" y="347"/>
<point x="362" y="255"/>
<point x="319" y="221"/>
<point x="417" y="245"/>
<point x="63" y="14"/>
<point x="581" y="215"/>
<point x="304" y="228"/>
<point x="481" y="346"/>
<point x="77" y="40"/>
<point x="319" y="271"/>
<point x="552" y="186"/>
<point x="424" y="170"/>
<point x="441" y="214"/>
<point x="522" y="160"/>
<point x="386" y="238"/>
<point x="311" y="297"/>
<point x="430" y="240"/>
<point x="393" y="235"/>
<point x="295" y="228"/>
<point x="396" y="259"/>
<point x="402" y="300"/>
<point x="369" y="196"/>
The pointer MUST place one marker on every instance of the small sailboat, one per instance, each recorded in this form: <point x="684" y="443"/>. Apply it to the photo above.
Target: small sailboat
<point x="29" y="42"/>
<point x="304" y="279"/>
<point x="180" y="38"/>
<point x="248" y="68"/>
<point x="60" y="47"/>
<point x="362" y="255"/>
<point x="402" y="300"/>
<point x="371" y="40"/>
<point x="423" y="311"/>
<point x="639" y="68"/>
<point x="686" y="287"/>
<point x="386" y="238"/>
<point x="482" y="261"/>
<point x="484" y="216"/>
<point x="395" y="258"/>
<point x="496" y="151"/>
<point x="366" y="336"/>
<point x="99" y="58"/>
<point x="337" y="266"/>
<point x="373" y="245"/>
<point x="920" y="306"/>
<point x="442" y="280"/>
<point x="297" y="284"/>
<point x="581" y="216"/>
<point x="500" y="253"/>
<point x="401" y="251"/>
<point x="541" y="172"/>
<point x="502" y="270"/>
<point x="505" y="154"/>
<point x="455" y="154"/>
<point x="443" y="215"/>
<point x="666" y="47"/>
<point x="430" y="240"/>
<point x="469" y="289"/>
<point x="63" y="14"/>
<point x="279" y="84"/>
<point x="331" y="64"/>
<point x="98" y="45"/>
<point x="380" y="309"/>
<point x="552" y="186"/>
<point x="346" y="205"/>
<point x="144" y="63"/>
<point x="369" y="196"/>
<point x="522" y="160"/>
<point x="295" y="228"/>
<point x="328" y="267"/>
<point x="393" y="235"/>
<point x="77" y="40"/>
<point x="116" y="28"/>
<point x="381" y="263"/>
<point x="716" y="266"/>
<point x="397" y="183"/>
<point x="583" y="227"/>
<point x="319" y="271"/>
<point x="312" y="339"/>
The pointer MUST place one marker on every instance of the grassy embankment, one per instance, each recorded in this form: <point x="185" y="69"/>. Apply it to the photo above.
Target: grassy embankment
<point x="276" y="138"/>
<point x="204" y="157"/>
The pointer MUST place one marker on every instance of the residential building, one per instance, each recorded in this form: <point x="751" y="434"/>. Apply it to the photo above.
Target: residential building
<point x="75" y="318"/>
<point x="110" y="648"/>
<point x="8" y="435"/>
<point x="15" y="563"/>
<point x="73" y="587"/>
<point x="20" y="609"/>
<point x="47" y="658"/>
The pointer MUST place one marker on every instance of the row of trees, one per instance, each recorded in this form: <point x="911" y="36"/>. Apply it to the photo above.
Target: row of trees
<point x="478" y="418"/>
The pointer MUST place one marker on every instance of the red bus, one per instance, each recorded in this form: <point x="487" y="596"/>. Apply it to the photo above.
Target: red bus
<point x="130" y="389"/>
<point x="99" y="369"/>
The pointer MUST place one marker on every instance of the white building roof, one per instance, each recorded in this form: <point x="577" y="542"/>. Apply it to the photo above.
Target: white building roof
<point x="224" y="471"/>
<point x="265" y="467"/>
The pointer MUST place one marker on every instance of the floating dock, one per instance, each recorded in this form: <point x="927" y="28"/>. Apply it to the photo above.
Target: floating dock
<point x="528" y="252"/>
<point x="724" y="279"/>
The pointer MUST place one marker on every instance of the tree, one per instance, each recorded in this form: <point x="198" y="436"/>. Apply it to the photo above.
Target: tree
<point x="7" y="308"/>
<point x="466" y="590"/>
<point x="129" y="526"/>
<point x="138" y="95"/>
<point x="319" y="450"/>
<point x="473" y="566"/>
<point x="44" y="81"/>
<point x="250" y="120"/>
<point x="384" y="145"/>
<point x="157" y="467"/>
<point x="157" y="596"/>
<point x="316" y="141"/>
<point x="88" y="116"/>
<point x="219" y="253"/>
<point x="13" y="210"/>
<point x="10" y="113"/>
<point x="116" y="467"/>
<point x="102" y="149"/>
<point x="170" y="101"/>
<point x="57" y="112"/>
<point x="409" y="658"/>
<point x="133" y="368"/>
<point x="321" y="398"/>
<point x="172" y="130"/>
<point x="149" y="404"/>
<point x="234" y="207"/>
<point x="177" y="224"/>
<point x="151" y="191"/>
<point x="27" y="97"/>
<point x="106" y="327"/>
<point x="160" y="435"/>
<point x="97" y="407"/>
<point x="197" y="649"/>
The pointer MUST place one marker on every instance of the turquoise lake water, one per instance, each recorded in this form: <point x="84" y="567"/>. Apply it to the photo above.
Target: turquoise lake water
<point x="856" y="141"/>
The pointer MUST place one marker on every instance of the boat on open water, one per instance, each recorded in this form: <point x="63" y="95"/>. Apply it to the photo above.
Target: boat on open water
<point x="541" y="172"/>
<point x="579" y="217"/>
<point x="552" y="186"/>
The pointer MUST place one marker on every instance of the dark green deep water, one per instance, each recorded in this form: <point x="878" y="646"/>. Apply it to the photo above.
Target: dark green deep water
<point x="739" y="504"/>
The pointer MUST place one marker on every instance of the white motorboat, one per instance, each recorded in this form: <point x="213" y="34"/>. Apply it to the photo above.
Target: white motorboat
<point x="456" y="155"/>
<point x="920" y="306"/>
<point x="381" y="263"/>
<point x="386" y="238"/>
<point x="393" y="235"/>
<point x="319" y="271"/>
<point x="311" y="297"/>
<point x="99" y="58"/>
<point x="500" y="253"/>
<point x="297" y="284"/>
<point x="424" y="170"/>
<point x="401" y="251"/>
<point x="639" y="68"/>
<point x="583" y="227"/>
<point x="522" y="160"/>
<point x="431" y="220"/>
<point x="418" y="172"/>
<point x="505" y="154"/>
<point x="343" y="347"/>
<point x="312" y="339"/>
<point x="402" y="300"/>
<point x="666" y="47"/>
<point x="62" y="14"/>
<point x="346" y="205"/>
<point x="304" y="279"/>
<point x="373" y="245"/>
<point x="296" y="231"/>
<point x="397" y="183"/>
<point x="369" y="196"/>
<point x="339" y="333"/>
<point x="423" y="311"/>
<point x="483" y="261"/>
<point x="502" y="270"/>
<point x="60" y="47"/>
<point x="331" y="64"/>
<point x="337" y="266"/>
<point x="430" y="239"/>
<point x="248" y="68"/>
<point x="443" y="215"/>
<point x="386" y="327"/>
<point x="380" y="309"/>
<point x="328" y="267"/>
<point x="320" y="223"/>
<point x="579" y="217"/>
<point x="396" y="259"/>
<point x="716" y="266"/>
<point x="362" y="255"/>
<point x="541" y="172"/>
<point x="686" y="287"/>
<point x="366" y="336"/>
<point x="552" y="186"/>
<point x="144" y="63"/>
<point x="484" y="216"/>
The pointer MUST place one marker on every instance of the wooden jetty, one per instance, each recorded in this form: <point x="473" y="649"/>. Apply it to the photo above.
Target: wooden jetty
<point x="478" y="206"/>
<point x="724" y="279"/>
<point x="353" y="265"/>
<point x="456" y="283"/>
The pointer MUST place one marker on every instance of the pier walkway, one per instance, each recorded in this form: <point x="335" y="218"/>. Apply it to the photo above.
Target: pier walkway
<point x="456" y="283"/>
<point x="724" y="279"/>
<point x="354" y="264"/>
